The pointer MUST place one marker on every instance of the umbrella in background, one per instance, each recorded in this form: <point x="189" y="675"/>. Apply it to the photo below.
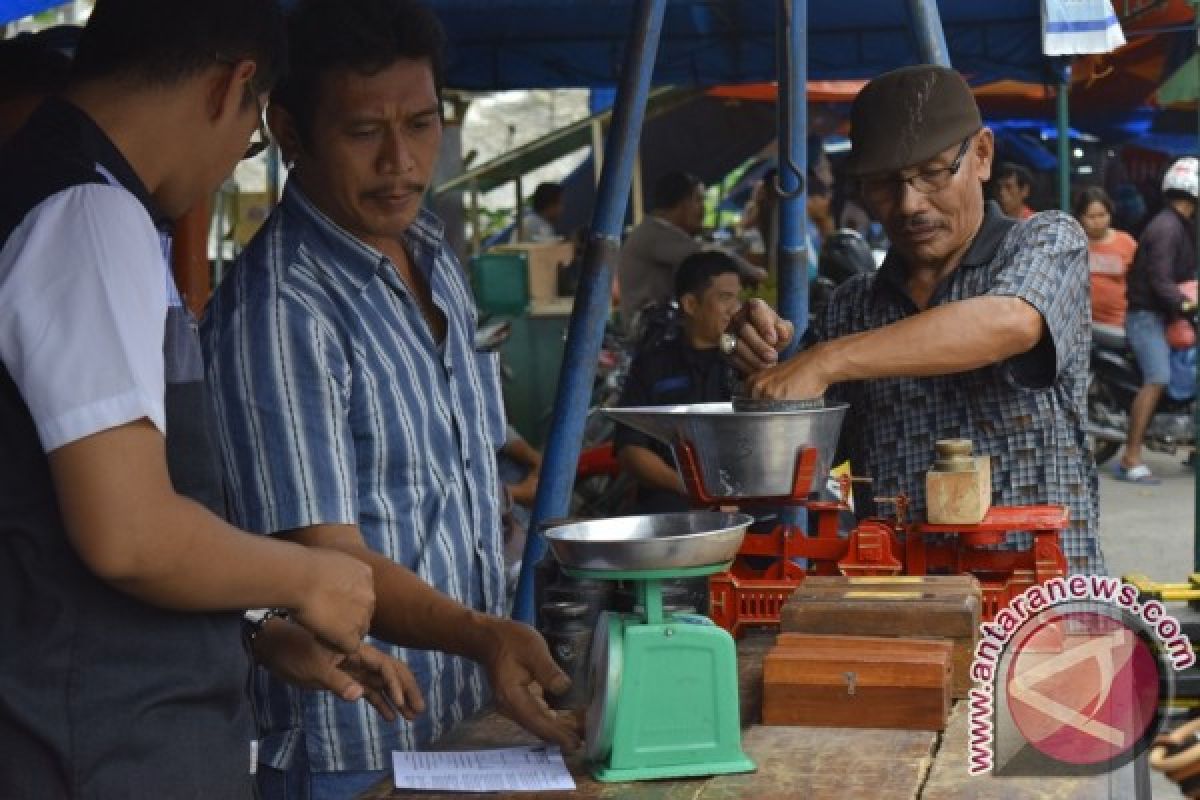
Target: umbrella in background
<point x="1182" y="88"/>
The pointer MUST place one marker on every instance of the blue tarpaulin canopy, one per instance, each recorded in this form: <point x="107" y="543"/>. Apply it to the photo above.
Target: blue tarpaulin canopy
<point x="11" y="10"/>
<point x="506" y="44"/>
<point x="517" y="44"/>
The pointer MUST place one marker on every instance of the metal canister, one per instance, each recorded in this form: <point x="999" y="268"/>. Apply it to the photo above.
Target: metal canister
<point x="953" y="455"/>
<point x="569" y="638"/>
<point x="597" y="595"/>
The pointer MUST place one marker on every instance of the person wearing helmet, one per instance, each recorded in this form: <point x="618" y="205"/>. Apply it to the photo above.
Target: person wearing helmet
<point x="1166" y="255"/>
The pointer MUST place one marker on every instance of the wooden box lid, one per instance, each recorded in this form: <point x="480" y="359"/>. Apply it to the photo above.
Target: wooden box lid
<point x="865" y="610"/>
<point x="938" y="584"/>
<point x="816" y="660"/>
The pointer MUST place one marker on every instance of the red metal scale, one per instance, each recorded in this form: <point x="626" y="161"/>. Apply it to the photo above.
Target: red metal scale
<point x="751" y="594"/>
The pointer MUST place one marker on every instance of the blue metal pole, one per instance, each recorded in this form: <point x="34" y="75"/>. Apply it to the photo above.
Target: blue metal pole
<point x="792" y="53"/>
<point x="931" y="38"/>
<point x="586" y="330"/>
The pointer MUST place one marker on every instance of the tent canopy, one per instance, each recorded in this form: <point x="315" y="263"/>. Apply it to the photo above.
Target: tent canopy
<point x="518" y="44"/>
<point x="12" y="10"/>
<point x="507" y="44"/>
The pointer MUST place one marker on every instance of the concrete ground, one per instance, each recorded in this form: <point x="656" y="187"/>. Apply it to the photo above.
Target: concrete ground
<point x="1150" y="529"/>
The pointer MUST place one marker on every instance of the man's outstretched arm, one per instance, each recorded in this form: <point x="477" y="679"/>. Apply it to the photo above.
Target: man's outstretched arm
<point x="411" y="613"/>
<point x="131" y="528"/>
<point x="648" y="468"/>
<point x="951" y="338"/>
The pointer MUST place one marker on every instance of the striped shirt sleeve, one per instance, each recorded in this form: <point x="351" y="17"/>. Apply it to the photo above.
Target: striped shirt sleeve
<point x="280" y="378"/>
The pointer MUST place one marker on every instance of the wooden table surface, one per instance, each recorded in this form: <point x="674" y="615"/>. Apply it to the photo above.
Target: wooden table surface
<point x="802" y="762"/>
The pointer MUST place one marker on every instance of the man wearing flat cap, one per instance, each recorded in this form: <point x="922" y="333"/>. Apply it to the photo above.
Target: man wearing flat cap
<point x="976" y="326"/>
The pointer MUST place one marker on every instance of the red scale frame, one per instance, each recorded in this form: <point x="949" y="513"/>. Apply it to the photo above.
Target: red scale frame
<point x="747" y="596"/>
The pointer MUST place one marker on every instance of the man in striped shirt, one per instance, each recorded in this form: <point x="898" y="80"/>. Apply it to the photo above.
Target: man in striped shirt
<point x="353" y="410"/>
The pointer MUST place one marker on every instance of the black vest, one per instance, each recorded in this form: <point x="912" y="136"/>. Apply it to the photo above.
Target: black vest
<point x="101" y="695"/>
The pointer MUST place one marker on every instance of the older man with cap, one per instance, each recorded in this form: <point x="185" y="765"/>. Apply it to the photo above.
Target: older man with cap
<point x="976" y="326"/>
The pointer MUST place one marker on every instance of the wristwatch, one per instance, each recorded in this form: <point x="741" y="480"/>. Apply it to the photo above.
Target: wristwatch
<point x="256" y="618"/>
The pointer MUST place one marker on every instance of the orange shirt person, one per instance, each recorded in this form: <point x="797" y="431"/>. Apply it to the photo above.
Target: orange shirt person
<point x="1110" y="255"/>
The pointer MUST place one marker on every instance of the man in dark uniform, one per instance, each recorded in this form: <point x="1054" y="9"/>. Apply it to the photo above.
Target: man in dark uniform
<point x="682" y="366"/>
<point x="122" y="668"/>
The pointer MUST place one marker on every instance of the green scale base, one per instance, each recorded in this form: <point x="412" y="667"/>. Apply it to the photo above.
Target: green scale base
<point x="665" y="690"/>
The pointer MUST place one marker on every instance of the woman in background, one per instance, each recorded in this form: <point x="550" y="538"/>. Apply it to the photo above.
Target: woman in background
<point x="1110" y="255"/>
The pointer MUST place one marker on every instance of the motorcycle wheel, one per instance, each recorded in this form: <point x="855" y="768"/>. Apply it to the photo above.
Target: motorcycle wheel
<point x="1100" y="405"/>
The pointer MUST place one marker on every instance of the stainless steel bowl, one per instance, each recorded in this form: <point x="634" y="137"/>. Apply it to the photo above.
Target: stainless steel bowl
<point x="650" y="541"/>
<point x="742" y="453"/>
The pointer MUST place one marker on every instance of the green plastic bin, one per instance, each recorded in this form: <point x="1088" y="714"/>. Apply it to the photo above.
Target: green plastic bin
<point x="501" y="283"/>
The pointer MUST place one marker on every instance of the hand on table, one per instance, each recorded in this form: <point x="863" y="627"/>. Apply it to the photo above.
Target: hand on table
<point x="293" y="654"/>
<point x="519" y="667"/>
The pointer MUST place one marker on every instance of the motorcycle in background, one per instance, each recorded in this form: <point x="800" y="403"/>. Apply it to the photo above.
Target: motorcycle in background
<point x="1114" y="381"/>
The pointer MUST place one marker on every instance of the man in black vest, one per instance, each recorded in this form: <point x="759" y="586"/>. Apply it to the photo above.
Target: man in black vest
<point x="122" y="667"/>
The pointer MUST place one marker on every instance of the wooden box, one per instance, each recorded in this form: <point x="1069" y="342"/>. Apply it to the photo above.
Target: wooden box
<point x="857" y="682"/>
<point x="959" y="498"/>
<point x="544" y="260"/>
<point x="932" y="606"/>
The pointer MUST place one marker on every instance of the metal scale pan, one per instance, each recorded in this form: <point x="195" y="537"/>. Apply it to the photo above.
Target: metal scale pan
<point x="650" y="541"/>
<point x="741" y="454"/>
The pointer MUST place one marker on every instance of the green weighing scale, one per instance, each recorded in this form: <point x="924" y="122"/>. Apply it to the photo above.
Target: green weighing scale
<point x="664" y="687"/>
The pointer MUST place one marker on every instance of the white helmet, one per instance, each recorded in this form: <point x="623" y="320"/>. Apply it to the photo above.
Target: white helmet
<point x="1183" y="177"/>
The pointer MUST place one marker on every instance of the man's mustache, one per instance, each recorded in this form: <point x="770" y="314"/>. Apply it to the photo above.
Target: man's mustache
<point x="402" y="188"/>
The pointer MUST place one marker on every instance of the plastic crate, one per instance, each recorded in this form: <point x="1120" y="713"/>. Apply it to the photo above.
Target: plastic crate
<point x="501" y="283"/>
<point x="739" y="603"/>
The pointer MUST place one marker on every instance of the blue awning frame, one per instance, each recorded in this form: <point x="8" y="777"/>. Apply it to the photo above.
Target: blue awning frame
<point x="591" y="309"/>
<point x="505" y="44"/>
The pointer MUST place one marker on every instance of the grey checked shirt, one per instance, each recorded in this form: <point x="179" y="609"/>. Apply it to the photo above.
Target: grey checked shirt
<point x="1027" y="413"/>
<point x="336" y="406"/>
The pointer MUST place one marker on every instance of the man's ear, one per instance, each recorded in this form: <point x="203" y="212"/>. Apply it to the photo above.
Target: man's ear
<point x="284" y="132"/>
<point x="985" y="152"/>
<point x="228" y="89"/>
<point x="690" y="304"/>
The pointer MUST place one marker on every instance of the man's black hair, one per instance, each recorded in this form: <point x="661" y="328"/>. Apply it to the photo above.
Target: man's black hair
<point x="696" y="272"/>
<point x="673" y="188"/>
<point x="365" y="36"/>
<point x="29" y="65"/>
<point x="160" y="42"/>
<point x="546" y="195"/>
<point x="1021" y="173"/>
